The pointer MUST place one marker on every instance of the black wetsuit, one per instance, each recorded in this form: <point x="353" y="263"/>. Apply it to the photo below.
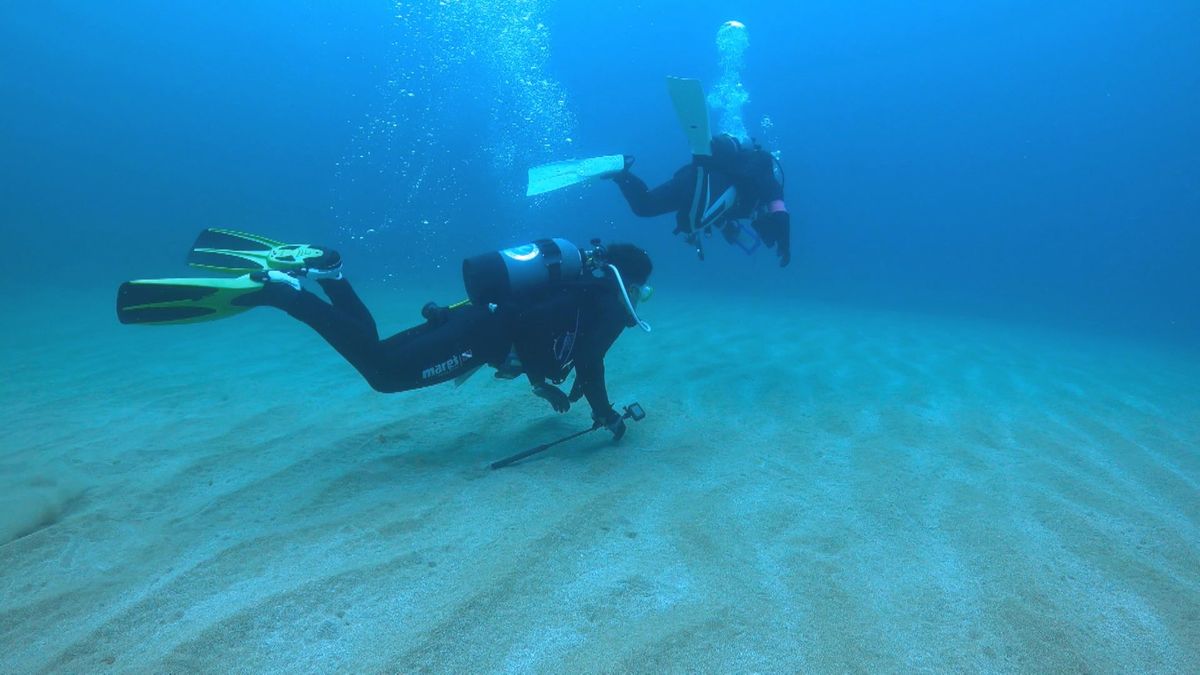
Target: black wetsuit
<point x="569" y="327"/>
<point x="709" y="193"/>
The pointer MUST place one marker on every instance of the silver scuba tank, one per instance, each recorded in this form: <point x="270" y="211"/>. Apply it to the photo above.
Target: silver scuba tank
<point x="500" y="276"/>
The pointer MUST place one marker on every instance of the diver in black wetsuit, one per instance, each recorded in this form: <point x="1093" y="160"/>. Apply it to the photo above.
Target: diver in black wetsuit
<point x="718" y="191"/>
<point x="542" y="331"/>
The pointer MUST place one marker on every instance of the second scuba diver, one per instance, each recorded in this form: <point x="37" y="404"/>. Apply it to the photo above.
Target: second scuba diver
<point x="540" y="310"/>
<point x="718" y="191"/>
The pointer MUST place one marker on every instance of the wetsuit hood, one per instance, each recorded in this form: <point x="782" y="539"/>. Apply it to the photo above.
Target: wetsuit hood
<point x="633" y="261"/>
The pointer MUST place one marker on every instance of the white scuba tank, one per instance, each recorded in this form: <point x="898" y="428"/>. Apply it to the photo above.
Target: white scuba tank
<point x="500" y="276"/>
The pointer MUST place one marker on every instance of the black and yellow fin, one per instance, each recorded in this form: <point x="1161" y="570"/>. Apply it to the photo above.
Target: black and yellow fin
<point x="234" y="252"/>
<point x="167" y="301"/>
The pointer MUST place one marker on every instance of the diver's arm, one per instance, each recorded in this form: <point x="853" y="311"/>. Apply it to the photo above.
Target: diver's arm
<point x="592" y="385"/>
<point x="607" y="325"/>
<point x="589" y="382"/>
<point x="774" y="223"/>
<point x="775" y="229"/>
<point x="526" y="345"/>
<point x="670" y="196"/>
<point x="767" y="190"/>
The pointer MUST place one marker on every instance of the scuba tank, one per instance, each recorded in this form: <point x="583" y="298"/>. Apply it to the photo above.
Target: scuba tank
<point x="525" y="271"/>
<point x="499" y="276"/>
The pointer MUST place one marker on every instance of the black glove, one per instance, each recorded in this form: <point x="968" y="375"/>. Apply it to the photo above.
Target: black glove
<point x="775" y="229"/>
<point x="554" y="395"/>
<point x="610" y="420"/>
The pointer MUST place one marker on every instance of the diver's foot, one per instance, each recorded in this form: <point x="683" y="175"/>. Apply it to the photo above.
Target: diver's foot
<point x="326" y="266"/>
<point x="621" y="173"/>
<point x="279" y="289"/>
<point x="275" y="278"/>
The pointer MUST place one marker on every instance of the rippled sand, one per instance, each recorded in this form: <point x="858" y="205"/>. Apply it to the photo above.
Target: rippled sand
<point x="814" y="489"/>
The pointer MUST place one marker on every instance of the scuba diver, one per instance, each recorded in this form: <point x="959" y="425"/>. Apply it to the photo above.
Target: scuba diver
<point x="719" y="190"/>
<point x="541" y="310"/>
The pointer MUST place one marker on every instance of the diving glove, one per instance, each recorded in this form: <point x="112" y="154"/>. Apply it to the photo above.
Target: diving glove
<point x="611" y="420"/>
<point x="775" y="229"/>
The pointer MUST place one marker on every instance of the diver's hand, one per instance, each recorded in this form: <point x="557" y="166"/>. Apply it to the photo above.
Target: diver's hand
<point x="553" y="395"/>
<point x="610" y="420"/>
<point x="775" y="230"/>
<point x="576" y="390"/>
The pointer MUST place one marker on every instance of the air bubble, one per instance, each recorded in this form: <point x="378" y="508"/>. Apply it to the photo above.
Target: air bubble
<point x="729" y="96"/>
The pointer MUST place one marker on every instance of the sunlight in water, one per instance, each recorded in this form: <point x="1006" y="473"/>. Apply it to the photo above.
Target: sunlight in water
<point x="451" y="61"/>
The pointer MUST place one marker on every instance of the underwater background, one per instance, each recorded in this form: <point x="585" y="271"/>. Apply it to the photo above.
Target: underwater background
<point x="1018" y="159"/>
<point x="960" y="432"/>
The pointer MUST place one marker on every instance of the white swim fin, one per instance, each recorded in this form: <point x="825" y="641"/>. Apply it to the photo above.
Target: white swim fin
<point x="558" y="175"/>
<point x="690" y="105"/>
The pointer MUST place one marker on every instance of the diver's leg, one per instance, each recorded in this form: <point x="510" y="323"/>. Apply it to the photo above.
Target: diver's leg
<point x="468" y="337"/>
<point x="347" y="301"/>
<point x="673" y="195"/>
<point x="421" y="356"/>
<point x="357" y="343"/>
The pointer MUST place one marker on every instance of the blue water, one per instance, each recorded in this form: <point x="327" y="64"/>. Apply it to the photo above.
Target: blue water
<point x="841" y="468"/>
<point x="1023" y="159"/>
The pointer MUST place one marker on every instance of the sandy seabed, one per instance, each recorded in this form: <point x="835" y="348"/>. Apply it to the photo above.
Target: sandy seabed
<point x="815" y="489"/>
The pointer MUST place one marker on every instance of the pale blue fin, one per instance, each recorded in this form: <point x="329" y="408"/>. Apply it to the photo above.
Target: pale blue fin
<point x="558" y="175"/>
<point x="687" y="95"/>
